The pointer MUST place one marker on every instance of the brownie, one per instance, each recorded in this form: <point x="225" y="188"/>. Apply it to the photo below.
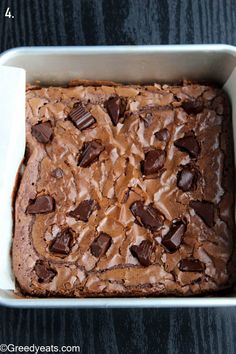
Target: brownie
<point x="127" y="191"/>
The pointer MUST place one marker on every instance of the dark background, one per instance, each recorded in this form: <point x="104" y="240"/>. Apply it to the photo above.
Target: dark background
<point x="58" y="22"/>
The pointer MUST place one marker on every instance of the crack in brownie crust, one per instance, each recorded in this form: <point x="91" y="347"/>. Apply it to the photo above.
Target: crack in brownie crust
<point x="127" y="191"/>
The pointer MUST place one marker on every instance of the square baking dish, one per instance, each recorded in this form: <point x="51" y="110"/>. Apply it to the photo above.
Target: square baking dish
<point x="126" y="64"/>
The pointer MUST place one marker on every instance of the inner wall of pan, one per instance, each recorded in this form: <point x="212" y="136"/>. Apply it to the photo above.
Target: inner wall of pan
<point x="131" y="67"/>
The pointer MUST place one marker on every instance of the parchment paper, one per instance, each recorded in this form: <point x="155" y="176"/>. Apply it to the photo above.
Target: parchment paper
<point x="12" y="147"/>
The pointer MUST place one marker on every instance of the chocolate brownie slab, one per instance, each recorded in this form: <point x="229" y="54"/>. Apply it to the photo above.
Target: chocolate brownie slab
<point x="127" y="191"/>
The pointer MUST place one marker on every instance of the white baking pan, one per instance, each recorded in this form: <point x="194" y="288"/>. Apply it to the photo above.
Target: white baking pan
<point x="57" y="65"/>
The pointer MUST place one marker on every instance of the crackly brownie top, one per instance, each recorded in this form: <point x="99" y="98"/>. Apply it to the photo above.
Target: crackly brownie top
<point x="126" y="189"/>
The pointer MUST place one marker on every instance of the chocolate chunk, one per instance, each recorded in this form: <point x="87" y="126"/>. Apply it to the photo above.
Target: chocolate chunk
<point x="90" y="152"/>
<point x="163" y="135"/>
<point x="40" y="205"/>
<point x="115" y="107"/>
<point x="188" y="144"/>
<point x="142" y="252"/>
<point x="42" y="132"/>
<point x="57" y="173"/>
<point x="100" y="245"/>
<point x="174" y="237"/>
<point x="191" y="265"/>
<point x="44" y="272"/>
<point x="193" y="107"/>
<point x="80" y="117"/>
<point x="205" y="210"/>
<point x="153" y="162"/>
<point x="84" y="210"/>
<point x="148" y="118"/>
<point x="62" y="242"/>
<point x="187" y="178"/>
<point x="146" y="215"/>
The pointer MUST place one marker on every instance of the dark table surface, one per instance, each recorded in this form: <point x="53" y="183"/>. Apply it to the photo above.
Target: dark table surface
<point x="58" y="22"/>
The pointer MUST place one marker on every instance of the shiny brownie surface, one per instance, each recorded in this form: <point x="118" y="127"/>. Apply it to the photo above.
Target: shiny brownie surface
<point x="127" y="191"/>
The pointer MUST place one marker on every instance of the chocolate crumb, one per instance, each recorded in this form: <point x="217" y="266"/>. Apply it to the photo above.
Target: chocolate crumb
<point x="57" y="173"/>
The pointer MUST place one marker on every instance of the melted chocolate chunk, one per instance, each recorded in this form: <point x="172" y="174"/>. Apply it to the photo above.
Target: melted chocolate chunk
<point x="44" y="272"/>
<point x="40" y="205"/>
<point x="146" y="215"/>
<point x="42" y="132"/>
<point x="116" y="108"/>
<point x="193" y="107"/>
<point x="62" y="242"/>
<point x="100" y="245"/>
<point x="188" y="144"/>
<point x="142" y="252"/>
<point x="187" y="178"/>
<point x="205" y="210"/>
<point x="163" y="135"/>
<point x="153" y="162"/>
<point x="191" y="265"/>
<point x="84" y="210"/>
<point x="174" y="237"/>
<point x="57" y="173"/>
<point x="90" y="153"/>
<point x="81" y="118"/>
